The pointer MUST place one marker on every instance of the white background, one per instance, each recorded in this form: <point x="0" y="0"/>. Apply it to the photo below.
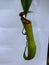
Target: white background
<point x="12" y="42"/>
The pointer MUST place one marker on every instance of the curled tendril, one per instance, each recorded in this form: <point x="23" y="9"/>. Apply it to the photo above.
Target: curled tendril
<point x="24" y="33"/>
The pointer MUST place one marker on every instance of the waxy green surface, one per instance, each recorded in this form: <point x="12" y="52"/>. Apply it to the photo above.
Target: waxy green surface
<point x="30" y="40"/>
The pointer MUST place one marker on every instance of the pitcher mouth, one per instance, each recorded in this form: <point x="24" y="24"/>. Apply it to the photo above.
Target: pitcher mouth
<point x="24" y="20"/>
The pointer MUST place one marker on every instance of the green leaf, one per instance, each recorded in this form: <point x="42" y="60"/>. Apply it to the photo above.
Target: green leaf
<point x="26" y="5"/>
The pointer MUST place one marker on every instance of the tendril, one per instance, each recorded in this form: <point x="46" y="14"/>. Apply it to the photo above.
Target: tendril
<point x="24" y="33"/>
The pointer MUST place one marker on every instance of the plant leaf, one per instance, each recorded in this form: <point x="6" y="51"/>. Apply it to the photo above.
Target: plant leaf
<point x="26" y="5"/>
